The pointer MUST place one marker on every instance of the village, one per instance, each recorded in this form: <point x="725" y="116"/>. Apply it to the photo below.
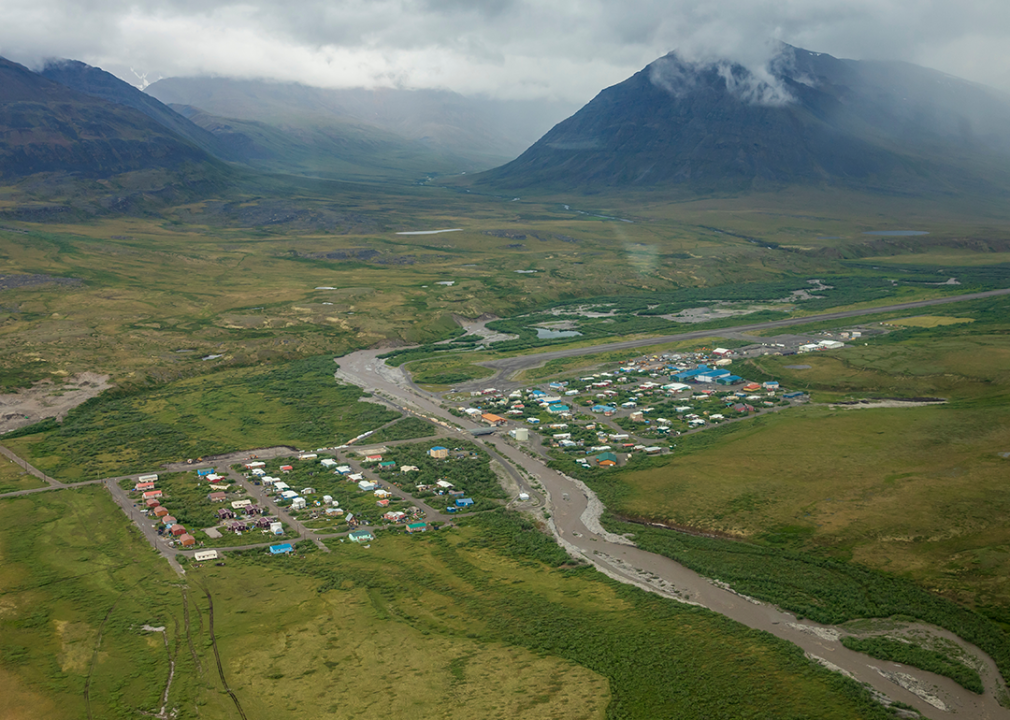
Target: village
<point x="599" y="420"/>
<point x="637" y="407"/>
<point x="314" y="495"/>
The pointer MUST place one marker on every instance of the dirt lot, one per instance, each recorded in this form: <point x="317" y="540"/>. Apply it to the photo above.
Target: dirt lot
<point x="48" y="399"/>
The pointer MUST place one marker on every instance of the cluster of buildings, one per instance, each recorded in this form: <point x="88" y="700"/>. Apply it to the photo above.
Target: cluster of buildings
<point x="151" y="497"/>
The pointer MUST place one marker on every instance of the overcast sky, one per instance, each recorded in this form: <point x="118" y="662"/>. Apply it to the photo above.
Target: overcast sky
<point x="563" y="49"/>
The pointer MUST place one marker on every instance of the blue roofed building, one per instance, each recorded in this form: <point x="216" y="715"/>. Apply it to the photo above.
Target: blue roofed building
<point x="281" y="549"/>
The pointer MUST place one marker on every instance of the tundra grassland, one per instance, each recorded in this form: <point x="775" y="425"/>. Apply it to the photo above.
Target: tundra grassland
<point x="235" y="279"/>
<point x="487" y="620"/>
<point x="296" y="403"/>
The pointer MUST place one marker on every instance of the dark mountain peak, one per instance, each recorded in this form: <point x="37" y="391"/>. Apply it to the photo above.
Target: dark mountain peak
<point x="797" y="117"/>
<point x="95" y="82"/>
<point x="48" y="127"/>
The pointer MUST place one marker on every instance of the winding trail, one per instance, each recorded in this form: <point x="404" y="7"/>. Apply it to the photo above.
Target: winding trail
<point x="574" y="519"/>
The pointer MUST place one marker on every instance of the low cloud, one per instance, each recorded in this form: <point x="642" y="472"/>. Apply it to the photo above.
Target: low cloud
<point x="564" y="49"/>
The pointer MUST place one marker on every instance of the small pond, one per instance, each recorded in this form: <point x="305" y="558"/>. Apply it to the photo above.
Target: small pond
<point x="547" y="334"/>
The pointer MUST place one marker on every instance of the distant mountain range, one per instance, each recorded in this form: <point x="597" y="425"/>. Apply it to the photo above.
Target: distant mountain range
<point x="811" y="119"/>
<point x="367" y="132"/>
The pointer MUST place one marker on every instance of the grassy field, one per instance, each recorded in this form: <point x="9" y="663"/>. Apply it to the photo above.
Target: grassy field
<point x="972" y="367"/>
<point x="409" y="428"/>
<point x="481" y="621"/>
<point x="78" y="585"/>
<point x="296" y="403"/>
<point x="915" y="491"/>
<point x="13" y="477"/>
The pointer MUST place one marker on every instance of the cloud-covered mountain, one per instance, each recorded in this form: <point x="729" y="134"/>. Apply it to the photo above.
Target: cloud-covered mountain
<point x="804" y="118"/>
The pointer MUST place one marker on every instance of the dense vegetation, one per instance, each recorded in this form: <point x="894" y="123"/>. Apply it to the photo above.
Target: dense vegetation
<point x="917" y="656"/>
<point x="296" y="403"/>
<point x="823" y="589"/>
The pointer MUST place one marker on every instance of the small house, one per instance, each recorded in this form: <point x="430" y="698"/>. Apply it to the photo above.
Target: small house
<point x="254" y="465"/>
<point x="384" y="502"/>
<point x="464" y="502"/>
<point x="387" y="465"/>
<point x="187" y="540"/>
<point x="178" y="530"/>
<point x="152" y="504"/>
<point x="332" y="511"/>
<point x="205" y="555"/>
<point x="438" y="452"/>
<point x="417" y="527"/>
<point x="277" y="528"/>
<point x="409" y="468"/>
<point x="287" y="468"/>
<point x="366" y="486"/>
<point x="160" y="511"/>
<point x="373" y="458"/>
<point x="217" y="497"/>
<point x="307" y="456"/>
<point x="147" y="478"/>
<point x="150" y="494"/>
<point x="606" y="459"/>
<point x="225" y="514"/>
<point x="282" y="549"/>
<point x="298" y="503"/>
<point x="493" y="420"/>
<point x="360" y="536"/>
<point x="239" y="504"/>
<point x="142" y="486"/>
<point x="308" y="491"/>
<point x="328" y="462"/>
<point x="204" y="471"/>
<point x="168" y="520"/>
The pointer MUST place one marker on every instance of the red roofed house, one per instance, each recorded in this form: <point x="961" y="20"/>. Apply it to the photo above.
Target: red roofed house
<point x="144" y="486"/>
<point x="217" y="497"/>
<point x="287" y="468"/>
<point x="152" y="504"/>
<point x="178" y="530"/>
<point x="161" y="511"/>
<point x="150" y="494"/>
<point x="187" y="540"/>
<point x="168" y="520"/>
<point x="492" y="419"/>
